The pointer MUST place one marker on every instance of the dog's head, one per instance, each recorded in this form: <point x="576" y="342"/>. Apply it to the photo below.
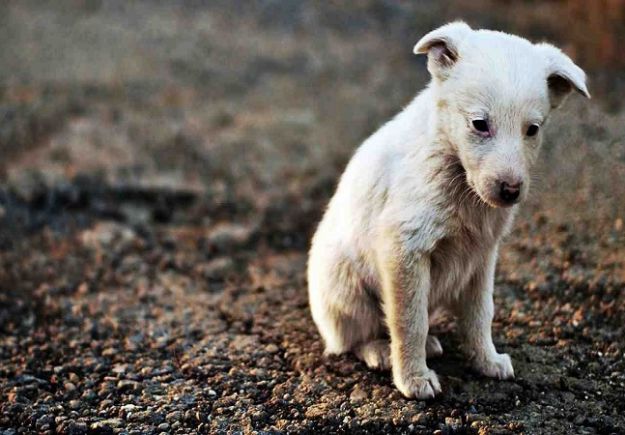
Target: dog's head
<point x="494" y="92"/>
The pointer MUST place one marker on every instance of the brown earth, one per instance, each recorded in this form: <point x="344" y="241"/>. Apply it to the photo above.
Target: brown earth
<point x="163" y="170"/>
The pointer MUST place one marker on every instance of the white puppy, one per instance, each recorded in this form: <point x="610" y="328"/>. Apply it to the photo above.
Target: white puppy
<point x="419" y="213"/>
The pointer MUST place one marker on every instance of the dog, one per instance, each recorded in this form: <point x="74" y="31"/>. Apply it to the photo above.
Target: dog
<point x="421" y="209"/>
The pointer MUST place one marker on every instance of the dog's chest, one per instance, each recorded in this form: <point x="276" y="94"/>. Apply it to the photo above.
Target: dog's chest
<point x="464" y="253"/>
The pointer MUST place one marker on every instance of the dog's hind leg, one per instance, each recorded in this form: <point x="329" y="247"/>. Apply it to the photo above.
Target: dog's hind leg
<point x="345" y="313"/>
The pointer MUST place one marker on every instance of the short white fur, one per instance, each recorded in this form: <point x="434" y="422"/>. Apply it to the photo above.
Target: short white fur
<point x="418" y="215"/>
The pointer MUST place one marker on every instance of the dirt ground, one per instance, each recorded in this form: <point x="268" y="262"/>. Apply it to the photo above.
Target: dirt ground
<point x="163" y="168"/>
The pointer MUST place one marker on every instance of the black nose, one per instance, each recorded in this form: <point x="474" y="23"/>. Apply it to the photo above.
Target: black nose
<point x="509" y="193"/>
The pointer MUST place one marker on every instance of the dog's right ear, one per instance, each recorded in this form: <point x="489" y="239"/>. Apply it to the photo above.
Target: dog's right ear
<point x="441" y="46"/>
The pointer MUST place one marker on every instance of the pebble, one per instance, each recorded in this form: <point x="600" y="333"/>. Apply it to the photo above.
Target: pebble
<point x="272" y="348"/>
<point x="109" y="422"/>
<point x="260" y="346"/>
<point x="128" y="385"/>
<point x="226" y="236"/>
<point x="105" y="403"/>
<point x="89" y="395"/>
<point x="174" y="416"/>
<point x="420" y="418"/>
<point x="73" y="377"/>
<point x="44" y="422"/>
<point x="120" y="368"/>
<point x="358" y="394"/>
<point x="218" y="268"/>
<point x="110" y="351"/>
<point x="76" y="428"/>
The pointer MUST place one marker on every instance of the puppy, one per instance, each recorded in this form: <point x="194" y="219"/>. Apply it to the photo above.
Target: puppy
<point x="419" y="213"/>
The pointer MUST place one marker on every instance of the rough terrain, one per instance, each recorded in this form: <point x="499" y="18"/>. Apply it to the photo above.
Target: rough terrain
<point x="162" y="174"/>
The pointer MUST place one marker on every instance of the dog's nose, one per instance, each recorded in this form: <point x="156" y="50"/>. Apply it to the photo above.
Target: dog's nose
<point x="509" y="193"/>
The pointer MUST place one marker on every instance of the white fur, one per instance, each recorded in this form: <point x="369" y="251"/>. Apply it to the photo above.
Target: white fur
<point x="417" y="217"/>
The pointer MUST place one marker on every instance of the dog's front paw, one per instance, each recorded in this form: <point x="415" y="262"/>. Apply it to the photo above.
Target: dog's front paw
<point x="498" y="366"/>
<point x="423" y="386"/>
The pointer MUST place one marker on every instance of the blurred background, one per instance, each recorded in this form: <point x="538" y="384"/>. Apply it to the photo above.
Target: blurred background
<point x="259" y="98"/>
<point x="164" y="164"/>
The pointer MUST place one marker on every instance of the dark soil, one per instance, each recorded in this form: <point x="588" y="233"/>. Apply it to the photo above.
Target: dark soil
<point x="155" y="226"/>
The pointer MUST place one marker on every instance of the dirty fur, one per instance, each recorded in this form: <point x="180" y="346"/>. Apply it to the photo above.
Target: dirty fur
<point x="419" y="213"/>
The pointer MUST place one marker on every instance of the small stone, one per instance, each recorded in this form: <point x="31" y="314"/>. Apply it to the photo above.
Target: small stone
<point x="243" y="342"/>
<point x="420" y="418"/>
<point x="163" y="427"/>
<point x="218" y="268"/>
<point x="73" y="377"/>
<point x="452" y="422"/>
<point x="109" y="422"/>
<point x="358" y="394"/>
<point x="108" y="352"/>
<point x="317" y="410"/>
<point x="129" y="408"/>
<point x="89" y="395"/>
<point x="43" y="423"/>
<point x="227" y="235"/>
<point x="477" y="424"/>
<point x="174" y="416"/>
<point x="76" y="428"/>
<point x="272" y="348"/>
<point x="128" y="385"/>
<point x="13" y="396"/>
<point x="106" y="403"/>
<point x="74" y="404"/>
<point x="120" y="368"/>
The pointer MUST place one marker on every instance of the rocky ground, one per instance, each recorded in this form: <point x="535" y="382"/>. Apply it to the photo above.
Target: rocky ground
<point x="157" y="205"/>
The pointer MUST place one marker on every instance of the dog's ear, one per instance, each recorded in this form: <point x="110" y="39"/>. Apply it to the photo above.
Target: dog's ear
<point x="441" y="46"/>
<point x="562" y="75"/>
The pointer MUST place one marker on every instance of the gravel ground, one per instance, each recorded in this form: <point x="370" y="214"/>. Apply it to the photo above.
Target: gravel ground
<point x="155" y="218"/>
<point x="115" y="328"/>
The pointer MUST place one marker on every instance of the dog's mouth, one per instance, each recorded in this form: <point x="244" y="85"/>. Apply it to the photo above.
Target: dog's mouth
<point x="492" y="202"/>
<point x="493" y="199"/>
<point x="463" y="188"/>
<point x="485" y="199"/>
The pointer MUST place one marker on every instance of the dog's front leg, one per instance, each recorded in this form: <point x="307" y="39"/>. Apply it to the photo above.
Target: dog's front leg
<point x="475" y="317"/>
<point x="405" y="286"/>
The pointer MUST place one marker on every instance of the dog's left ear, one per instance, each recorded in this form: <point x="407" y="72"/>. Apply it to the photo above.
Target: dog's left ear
<point x="562" y="75"/>
<point x="441" y="46"/>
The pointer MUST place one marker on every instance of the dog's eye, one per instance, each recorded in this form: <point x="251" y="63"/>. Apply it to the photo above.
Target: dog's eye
<point x="480" y="125"/>
<point x="532" y="130"/>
